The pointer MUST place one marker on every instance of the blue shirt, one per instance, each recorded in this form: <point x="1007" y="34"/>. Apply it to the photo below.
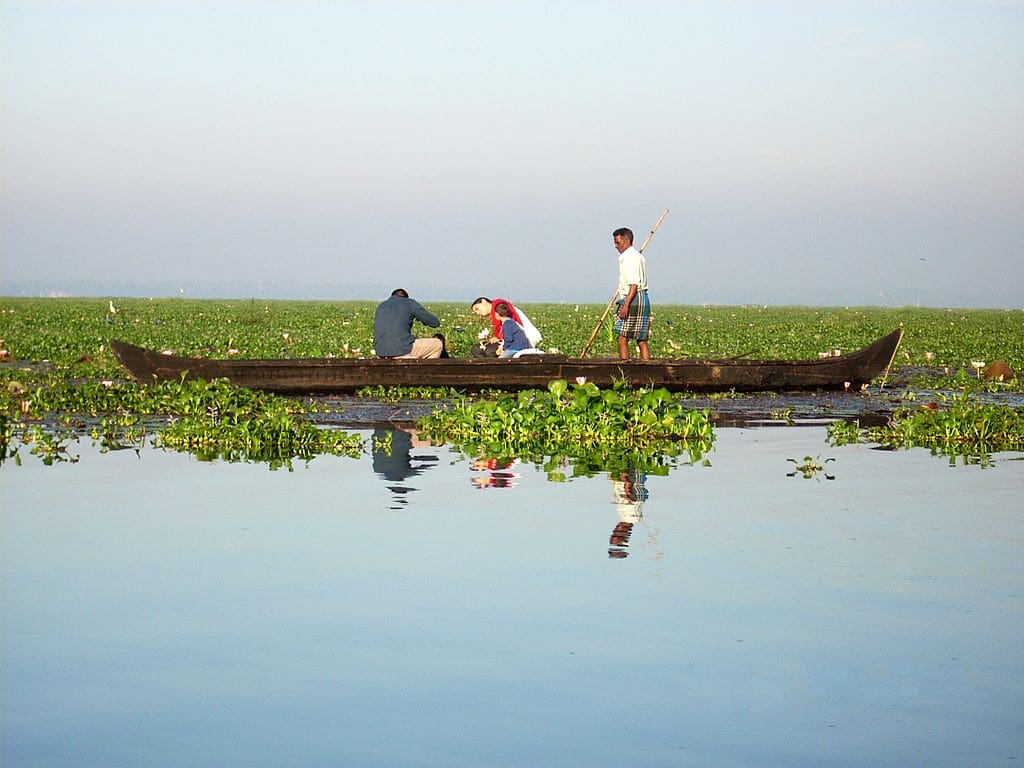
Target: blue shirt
<point x="392" y="325"/>
<point x="514" y="336"/>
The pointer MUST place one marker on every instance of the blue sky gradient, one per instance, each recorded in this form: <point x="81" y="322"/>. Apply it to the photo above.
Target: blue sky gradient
<point x="809" y="152"/>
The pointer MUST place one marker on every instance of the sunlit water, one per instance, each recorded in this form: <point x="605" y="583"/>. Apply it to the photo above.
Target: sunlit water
<point x="159" y="611"/>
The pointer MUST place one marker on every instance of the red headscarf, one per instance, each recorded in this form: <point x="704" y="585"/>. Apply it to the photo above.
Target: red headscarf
<point x="496" y="321"/>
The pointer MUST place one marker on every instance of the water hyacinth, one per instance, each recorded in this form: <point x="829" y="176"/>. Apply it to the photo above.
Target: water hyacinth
<point x="62" y="330"/>
<point x="600" y="428"/>
<point x="960" y="427"/>
<point x="210" y="419"/>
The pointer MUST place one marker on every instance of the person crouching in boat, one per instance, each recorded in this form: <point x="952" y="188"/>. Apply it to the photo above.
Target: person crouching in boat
<point x="633" y="308"/>
<point x="392" y="328"/>
<point x="512" y="333"/>
<point x="491" y="347"/>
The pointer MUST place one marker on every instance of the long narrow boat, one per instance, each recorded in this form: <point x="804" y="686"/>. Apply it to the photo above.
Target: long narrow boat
<point x="338" y="375"/>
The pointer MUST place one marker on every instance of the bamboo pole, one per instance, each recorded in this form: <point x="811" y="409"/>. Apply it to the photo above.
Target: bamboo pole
<point x="615" y="295"/>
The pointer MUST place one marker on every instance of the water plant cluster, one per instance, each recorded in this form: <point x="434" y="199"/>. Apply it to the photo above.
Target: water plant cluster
<point x="963" y="381"/>
<point x="616" y="429"/>
<point x="209" y="419"/>
<point x="388" y="394"/>
<point x="812" y="468"/>
<point x="959" y="427"/>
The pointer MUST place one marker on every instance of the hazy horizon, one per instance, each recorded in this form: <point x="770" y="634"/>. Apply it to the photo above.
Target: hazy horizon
<point x="327" y="292"/>
<point x="823" y="152"/>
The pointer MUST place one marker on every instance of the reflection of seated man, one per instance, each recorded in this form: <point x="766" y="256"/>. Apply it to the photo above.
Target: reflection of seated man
<point x="394" y="461"/>
<point x="499" y="473"/>
<point x="628" y="496"/>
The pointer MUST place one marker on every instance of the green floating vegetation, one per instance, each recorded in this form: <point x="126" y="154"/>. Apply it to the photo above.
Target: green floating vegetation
<point x="579" y="424"/>
<point x="73" y="333"/>
<point x="388" y="394"/>
<point x="959" y="427"/>
<point x="208" y="419"/>
<point x="962" y="381"/>
<point x="49" y="446"/>
<point x="811" y="468"/>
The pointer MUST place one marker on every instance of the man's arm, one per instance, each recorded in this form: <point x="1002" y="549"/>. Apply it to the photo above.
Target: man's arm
<point x="425" y="317"/>
<point x="624" y="310"/>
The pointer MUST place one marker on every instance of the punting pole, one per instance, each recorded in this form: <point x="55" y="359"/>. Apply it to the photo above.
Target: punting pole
<point x="615" y="295"/>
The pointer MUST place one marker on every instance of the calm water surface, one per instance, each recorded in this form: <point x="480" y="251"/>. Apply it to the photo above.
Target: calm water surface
<point x="159" y="611"/>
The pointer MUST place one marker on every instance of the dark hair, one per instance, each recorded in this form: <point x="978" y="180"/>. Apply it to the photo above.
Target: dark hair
<point x="478" y="300"/>
<point x="400" y="292"/>
<point x="623" y="232"/>
<point x="501" y="308"/>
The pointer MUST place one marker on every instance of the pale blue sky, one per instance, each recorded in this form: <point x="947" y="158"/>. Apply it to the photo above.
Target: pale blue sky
<point x="809" y="152"/>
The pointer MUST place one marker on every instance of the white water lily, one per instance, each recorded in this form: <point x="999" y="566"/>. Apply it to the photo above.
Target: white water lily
<point x="581" y="380"/>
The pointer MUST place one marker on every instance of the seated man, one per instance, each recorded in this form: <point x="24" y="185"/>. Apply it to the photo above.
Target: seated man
<point x="392" y="328"/>
<point x="484" y="307"/>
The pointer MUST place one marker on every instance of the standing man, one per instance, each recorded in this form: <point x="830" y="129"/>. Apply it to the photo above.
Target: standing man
<point x="633" y="315"/>
<point x="392" y="328"/>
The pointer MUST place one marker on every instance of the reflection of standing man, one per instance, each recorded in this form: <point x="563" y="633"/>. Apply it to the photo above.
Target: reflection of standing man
<point x="633" y="313"/>
<point x="628" y="496"/>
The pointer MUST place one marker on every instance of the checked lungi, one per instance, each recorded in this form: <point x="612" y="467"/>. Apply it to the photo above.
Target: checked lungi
<point x="637" y="324"/>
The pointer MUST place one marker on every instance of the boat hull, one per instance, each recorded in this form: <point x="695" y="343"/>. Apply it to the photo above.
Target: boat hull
<point x="341" y="375"/>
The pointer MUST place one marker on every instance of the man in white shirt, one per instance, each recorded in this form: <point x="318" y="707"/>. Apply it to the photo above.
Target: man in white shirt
<point x="633" y="315"/>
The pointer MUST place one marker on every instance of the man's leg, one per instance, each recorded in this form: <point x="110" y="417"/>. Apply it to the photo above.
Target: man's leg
<point x="623" y="348"/>
<point x="426" y="348"/>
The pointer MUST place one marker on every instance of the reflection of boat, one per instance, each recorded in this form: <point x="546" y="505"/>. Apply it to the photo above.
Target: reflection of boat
<point x="333" y="375"/>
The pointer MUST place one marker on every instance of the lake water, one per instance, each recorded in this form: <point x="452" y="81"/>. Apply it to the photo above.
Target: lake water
<point x="161" y="611"/>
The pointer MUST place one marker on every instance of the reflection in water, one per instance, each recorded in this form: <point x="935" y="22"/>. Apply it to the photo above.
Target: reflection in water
<point x="394" y="460"/>
<point x="498" y="473"/>
<point x="628" y="495"/>
<point x="230" y="611"/>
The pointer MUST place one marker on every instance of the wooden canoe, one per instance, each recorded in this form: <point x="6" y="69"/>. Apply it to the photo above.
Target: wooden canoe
<point x="339" y="375"/>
